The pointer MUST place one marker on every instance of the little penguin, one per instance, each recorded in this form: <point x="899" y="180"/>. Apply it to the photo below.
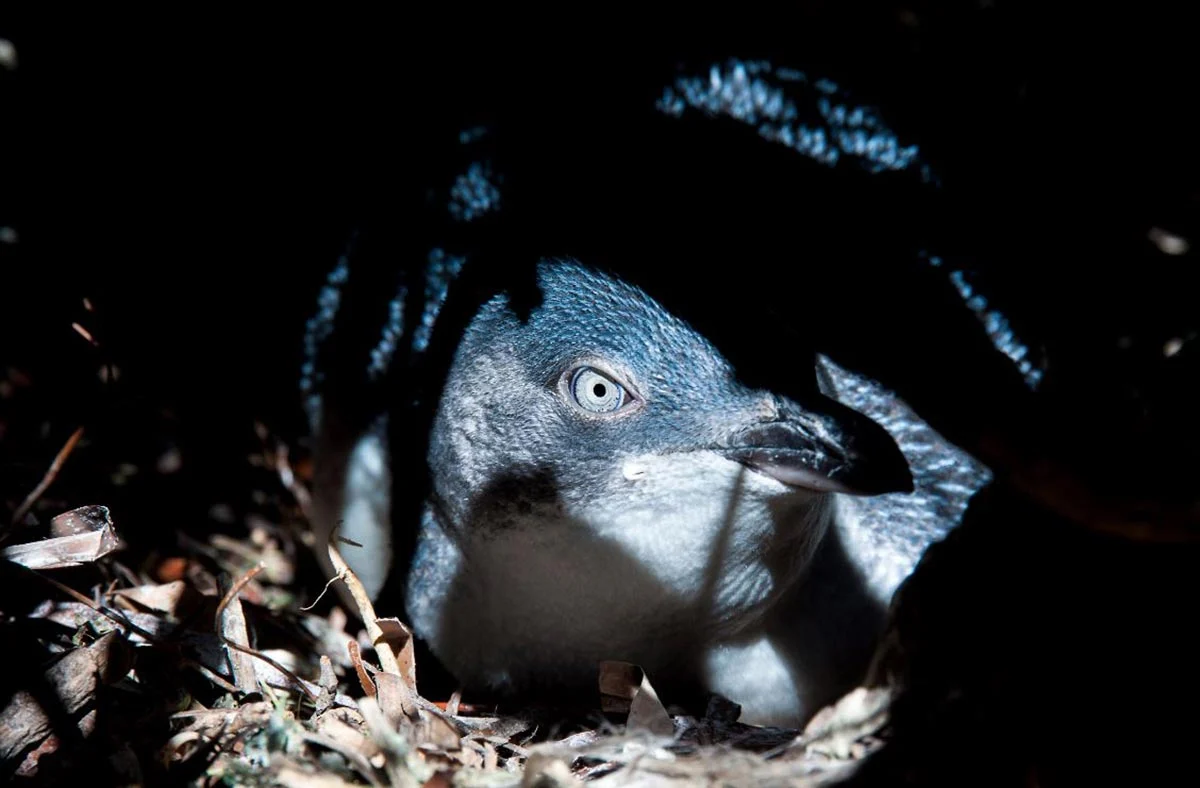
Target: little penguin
<point x="591" y="478"/>
<point x="602" y="486"/>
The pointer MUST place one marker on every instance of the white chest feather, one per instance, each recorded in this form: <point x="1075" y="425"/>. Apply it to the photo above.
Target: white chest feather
<point x="693" y="550"/>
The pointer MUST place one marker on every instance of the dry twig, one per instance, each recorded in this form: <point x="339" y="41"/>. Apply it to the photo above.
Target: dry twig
<point x="387" y="658"/>
<point x="115" y="616"/>
<point x="233" y="591"/>
<point x="47" y="480"/>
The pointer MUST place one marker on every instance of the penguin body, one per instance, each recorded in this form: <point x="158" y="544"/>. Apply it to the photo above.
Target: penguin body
<point x="603" y="487"/>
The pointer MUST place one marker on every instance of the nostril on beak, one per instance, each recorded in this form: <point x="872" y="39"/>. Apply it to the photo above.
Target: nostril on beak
<point x="768" y="409"/>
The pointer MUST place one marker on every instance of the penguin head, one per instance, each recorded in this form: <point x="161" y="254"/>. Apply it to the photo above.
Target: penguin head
<point x="600" y="382"/>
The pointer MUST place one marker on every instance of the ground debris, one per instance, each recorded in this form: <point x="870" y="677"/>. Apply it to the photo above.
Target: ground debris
<point x="851" y="726"/>
<point x="204" y="666"/>
<point x="66" y="688"/>
<point x="81" y="536"/>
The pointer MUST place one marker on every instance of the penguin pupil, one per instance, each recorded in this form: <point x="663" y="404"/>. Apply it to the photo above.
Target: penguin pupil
<point x="599" y="390"/>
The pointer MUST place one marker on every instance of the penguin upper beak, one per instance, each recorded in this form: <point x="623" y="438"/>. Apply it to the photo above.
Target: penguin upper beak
<point x="833" y="449"/>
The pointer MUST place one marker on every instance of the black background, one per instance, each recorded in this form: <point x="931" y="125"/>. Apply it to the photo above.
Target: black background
<point x="192" y="176"/>
<point x="189" y="175"/>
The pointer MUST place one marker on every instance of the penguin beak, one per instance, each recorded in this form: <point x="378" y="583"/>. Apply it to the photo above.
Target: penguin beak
<point x="829" y="448"/>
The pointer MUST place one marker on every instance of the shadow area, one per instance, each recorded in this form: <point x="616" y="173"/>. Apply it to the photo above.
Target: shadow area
<point x="534" y="605"/>
<point x="1035" y="652"/>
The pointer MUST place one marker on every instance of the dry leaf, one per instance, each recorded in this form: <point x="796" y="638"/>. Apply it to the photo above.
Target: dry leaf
<point x="364" y="678"/>
<point x="300" y="776"/>
<point x="440" y="779"/>
<point x="395" y="699"/>
<point x="547" y="771"/>
<point x="398" y="636"/>
<point x="836" y="729"/>
<point x="438" y="731"/>
<point x="347" y="736"/>
<point x="171" y="569"/>
<point x="233" y="629"/>
<point x="80" y="536"/>
<point x="625" y="687"/>
<point x="229" y="722"/>
<point x="175" y="599"/>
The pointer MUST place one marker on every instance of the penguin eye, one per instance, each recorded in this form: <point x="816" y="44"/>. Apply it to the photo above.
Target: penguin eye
<point x="596" y="392"/>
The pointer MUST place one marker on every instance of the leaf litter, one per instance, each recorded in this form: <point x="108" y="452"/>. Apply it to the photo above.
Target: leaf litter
<point x="203" y="667"/>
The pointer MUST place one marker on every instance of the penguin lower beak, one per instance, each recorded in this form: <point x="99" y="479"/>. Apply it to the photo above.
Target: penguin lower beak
<point x="835" y="449"/>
